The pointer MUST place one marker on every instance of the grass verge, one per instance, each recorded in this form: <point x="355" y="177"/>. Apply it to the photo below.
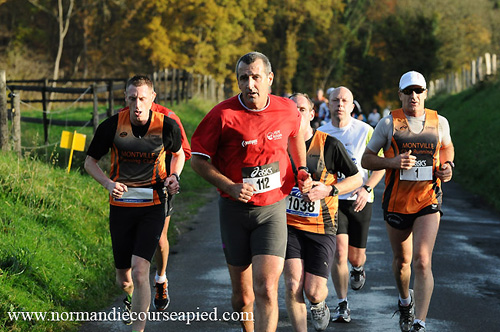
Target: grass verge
<point x="55" y="253"/>
<point x="474" y="123"/>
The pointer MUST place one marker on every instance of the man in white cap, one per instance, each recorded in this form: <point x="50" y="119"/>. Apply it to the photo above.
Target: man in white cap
<point x="418" y="157"/>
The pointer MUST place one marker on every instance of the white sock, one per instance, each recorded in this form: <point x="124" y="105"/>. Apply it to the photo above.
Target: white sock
<point x="342" y="300"/>
<point x="358" y="268"/>
<point x="421" y="322"/>
<point x="160" y="279"/>
<point x="405" y="302"/>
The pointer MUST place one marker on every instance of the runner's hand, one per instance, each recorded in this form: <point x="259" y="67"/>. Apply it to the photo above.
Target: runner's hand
<point x="361" y="199"/>
<point x="116" y="189"/>
<point x="318" y="191"/>
<point x="444" y="172"/>
<point x="404" y="160"/>
<point x="172" y="185"/>
<point x="242" y="192"/>
<point x="305" y="181"/>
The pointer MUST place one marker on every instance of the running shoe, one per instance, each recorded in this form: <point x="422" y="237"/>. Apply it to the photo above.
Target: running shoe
<point x="320" y="314"/>
<point x="406" y="314"/>
<point x="162" y="299"/>
<point x="417" y="328"/>
<point x="342" y="313"/>
<point x="127" y="310"/>
<point x="358" y="278"/>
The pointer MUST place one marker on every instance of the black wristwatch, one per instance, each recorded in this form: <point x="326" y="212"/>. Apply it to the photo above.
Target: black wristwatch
<point x="449" y="162"/>
<point x="176" y="176"/>
<point x="368" y="188"/>
<point x="334" y="191"/>
<point x="304" y="168"/>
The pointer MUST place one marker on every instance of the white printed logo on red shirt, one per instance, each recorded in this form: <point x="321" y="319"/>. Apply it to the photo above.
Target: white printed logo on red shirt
<point x="251" y="142"/>
<point x="274" y="135"/>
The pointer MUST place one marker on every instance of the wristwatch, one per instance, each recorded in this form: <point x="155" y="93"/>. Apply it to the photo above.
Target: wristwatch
<point x="304" y="168"/>
<point x="368" y="188"/>
<point x="449" y="162"/>
<point x="176" y="176"/>
<point x="334" y="191"/>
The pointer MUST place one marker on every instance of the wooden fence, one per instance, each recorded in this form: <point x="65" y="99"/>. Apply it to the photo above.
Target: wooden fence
<point x="469" y="75"/>
<point x="171" y="85"/>
<point x="175" y="85"/>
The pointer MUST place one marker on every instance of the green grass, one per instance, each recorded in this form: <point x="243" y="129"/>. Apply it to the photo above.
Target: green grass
<point x="475" y="122"/>
<point x="55" y="252"/>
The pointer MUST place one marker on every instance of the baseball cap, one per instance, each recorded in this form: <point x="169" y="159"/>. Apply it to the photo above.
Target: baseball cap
<point x="412" y="78"/>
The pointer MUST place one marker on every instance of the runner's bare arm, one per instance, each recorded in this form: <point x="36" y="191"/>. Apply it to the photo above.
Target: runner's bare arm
<point x="176" y="166"/>
<point x="297" y="150"/>
<point x="116" y="189"/>
<point x="240" y="191"/>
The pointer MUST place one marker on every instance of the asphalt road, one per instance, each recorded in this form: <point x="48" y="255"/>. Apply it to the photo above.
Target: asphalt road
<point x="466" y="265"/>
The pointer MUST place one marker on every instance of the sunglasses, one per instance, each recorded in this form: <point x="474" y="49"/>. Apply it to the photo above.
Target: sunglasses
<point x="409" y="91"/>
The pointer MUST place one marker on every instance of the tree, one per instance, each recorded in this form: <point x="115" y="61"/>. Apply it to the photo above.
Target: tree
<point x="62" y="14"/>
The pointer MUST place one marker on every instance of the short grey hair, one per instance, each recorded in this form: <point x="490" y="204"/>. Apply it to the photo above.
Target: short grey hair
<point x="251" y="58"/>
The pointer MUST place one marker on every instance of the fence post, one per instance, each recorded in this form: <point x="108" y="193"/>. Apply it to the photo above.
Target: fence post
<point x="111" y="99"/>
<point x="4" y="120"/>
<point x="473" y="73"/>
<point x="189" y="87"/>
<point x="480" y="71"/>
<point x="16" y="122"/>
<point x="198" y="86"/>
<point x="487" y="60"/>
<point x="156" y="85"/>
<point x="205" y="87"/>
<point x="44" y="112"/>
<point x="494" y="64"/>
<point x="95" y="113"/>
<point x="165" y="74"/>
<point x="172" y="86"/>
<point x="177" y="87"/>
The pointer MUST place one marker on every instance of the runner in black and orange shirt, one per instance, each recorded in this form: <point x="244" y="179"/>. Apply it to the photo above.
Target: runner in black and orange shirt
<point x="162" y="298"/>
<point x="418" y="157"/>
<point x="139" y="185"/>
<point x="312" y="223"/>
<point x="241" y="148"/>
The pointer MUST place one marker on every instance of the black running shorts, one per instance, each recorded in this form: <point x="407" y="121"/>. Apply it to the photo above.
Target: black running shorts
<point x="248" y="230"/>
<point x="316" y="250"/>
<point x="354" y="224"/>
<point x="135" y="231"/>
<point x="404" y="221"/>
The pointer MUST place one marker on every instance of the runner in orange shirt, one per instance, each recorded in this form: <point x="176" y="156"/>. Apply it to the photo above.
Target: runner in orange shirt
<point x="312" y="222"/>
<point x="418" y="157"/>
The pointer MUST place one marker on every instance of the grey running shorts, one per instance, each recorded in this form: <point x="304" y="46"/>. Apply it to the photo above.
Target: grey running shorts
<point x="248" y="230"/>
<point x="317" y="250"/>
<point x="135" y="231"/>
<point x="354" y="224"/>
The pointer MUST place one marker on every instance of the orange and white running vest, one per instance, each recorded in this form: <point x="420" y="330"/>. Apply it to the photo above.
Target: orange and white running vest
<point x="409" y="191"/>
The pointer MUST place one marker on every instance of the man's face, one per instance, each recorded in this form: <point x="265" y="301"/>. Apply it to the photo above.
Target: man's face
<point x="139" y="99"/>
<point x="305" y="109"/>
<point x="414" y="101"/>
<point x="341" y="104"/>
<point x="254" y="83"/>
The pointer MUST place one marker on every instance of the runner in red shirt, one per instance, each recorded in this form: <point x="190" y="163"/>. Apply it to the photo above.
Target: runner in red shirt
<point x="246" y="139"/>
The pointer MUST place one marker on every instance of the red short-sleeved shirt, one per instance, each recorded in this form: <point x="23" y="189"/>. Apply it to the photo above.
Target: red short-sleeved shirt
<point x="251" y="146"/>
